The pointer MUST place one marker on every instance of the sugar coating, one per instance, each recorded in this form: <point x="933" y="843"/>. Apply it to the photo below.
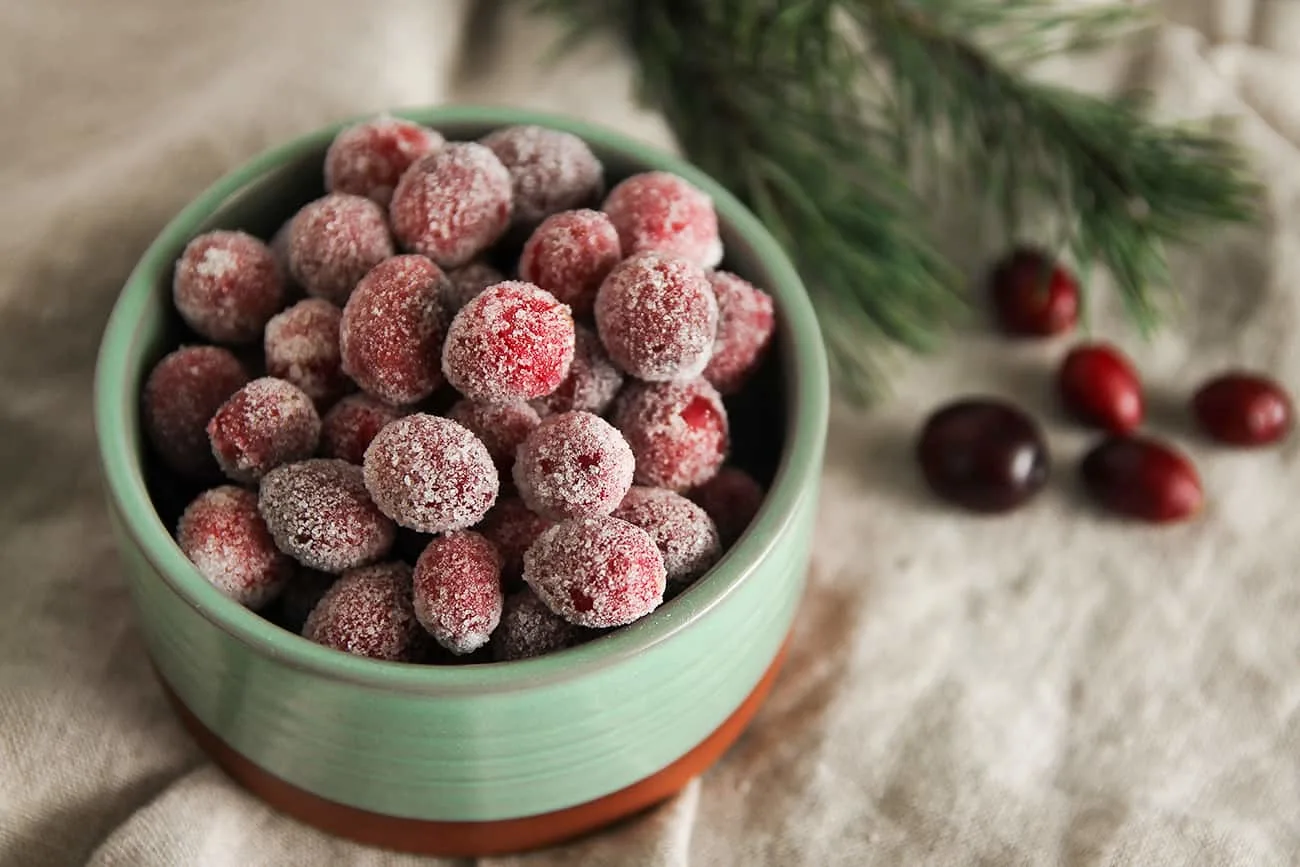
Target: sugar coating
<point x="467" y="281"/>
<point x="183" y="391"/>
<point x="392" y="328"/>
<point x="528" y="629"/>
<point x="225" y="538"/>
<point x="592" y="383"/>
<point x="663" y="212"/>
<point x="732" y="498"/>
<point x="266" y="423"/>
<point x="513" y="341"/>
<point x="684" y="532"/>
<point x="502" y="427"/>
<point x="368" y="612"/>
<point x="452" y="204"/>
<point x="598" y="572"/>
<point x="569" y="255"/>
<point x="227" y="285"/>
<point x="301" y="594"/>
<point x="550" y="170"/>
<point x="320" y="513"/>
<point x="369" y="158"/>
<point x="457" y="590"/>
<point x="350" y="425"/>
<point x="301" y="345"/>
<point x="746" y="319"/>
<point x="678" y="432"/>
<point x="430" y="474"/>
<point x="657" y="317"/>
<point x="574" y="465"/>
<point x="333" y="243"/>
<point x="513" y="528"/>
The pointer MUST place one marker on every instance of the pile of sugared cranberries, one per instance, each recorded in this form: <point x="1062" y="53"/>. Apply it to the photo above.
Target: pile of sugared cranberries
<point x="988" y="455"/>
<point x="488" y="421"/>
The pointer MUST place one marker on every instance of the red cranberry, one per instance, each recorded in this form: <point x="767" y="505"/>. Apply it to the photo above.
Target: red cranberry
<point x="661" y="212"/>
<point x="984" y="455"/>
<point x="334" y="242"/>
<point x="1033" y="296"/>
<point x="574" y="465"/>
<point x="550" y="170"/>
<point x="227" y="285"/>
<point x="569" y="255"/>
<point x="369" y="158"/>
<point x="1243" y="409"/>
<point x="592" y="383"/>
<point x="502" y="427"/>
<point x="1100" y="388"/>
<point x="301" y="345"/>
<point x="350" y="425"/>
<point x="678" y="432"/>
<point x="528" y="628"/>
<point x="226" y="539"/>
<point x="513" y="528"/>
<point x="267" y="423"/>
<point x="746" y="320"/>
<point x="182" y="394"/>
<point x="367" y="612"/>
<point x="457" y="590"/>
<point x="1142" y="478"/>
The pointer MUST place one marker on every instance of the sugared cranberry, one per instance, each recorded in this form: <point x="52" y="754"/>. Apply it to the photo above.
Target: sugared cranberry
<point x="1142" y="478"/>
<point x="227" y="285"/>
<point x="334" y="242"/>
<point x="392" y="329"/>
<point x="302" y="347"/>
<point x="569" y="255"/>
<point x="183" y="392"/>
<point x="982" y="454"/>
<point x="1099" y="387"/>
<point x="685" y="534"/>
<point x="1243" y="409"/>
<point x="466" y="282"/>
<point x="746" y="320"/>
<point x="511" y="342"/>
<point x="457" y="589"/>
<point x="592" y="383"/>
<point x="225" y="538"/>
<point x="500" y="426"/>
<point x="597" y="572"/>
<point x="513" y="528"/>
<point x="732" y="498"/>
<point x="1033" y="296"/>
<point x="350" y="425"/>
<point x="368" y="612"/>
<point x="657" y="318"/>
<point x="452" y="204"/>
<point x="574" y="465"/>
<point x="665" y="213"/>
<point x="430" y="474"/>
<point x="677" y="431"/>
<point x="266" y="423"/>
<point x="320" y="514"/>
<point x="369" y="158"/>
<point x="550" y="170"/>
<point x="528" y="629"/>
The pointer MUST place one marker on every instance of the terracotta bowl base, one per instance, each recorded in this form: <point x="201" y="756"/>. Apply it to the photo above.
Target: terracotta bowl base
<point x="469" y="839"/>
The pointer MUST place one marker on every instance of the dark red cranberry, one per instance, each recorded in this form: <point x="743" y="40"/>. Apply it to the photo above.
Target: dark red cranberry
<point x="1032" y="295"/>
<point x="1142" y="478"/>
<point x="1100" y="388"/>
<point x="1243" y="409"/>
<point x="983" y="454"/>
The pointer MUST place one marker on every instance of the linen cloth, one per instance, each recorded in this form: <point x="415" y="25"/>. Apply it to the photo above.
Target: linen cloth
<point x="1051" y="687"/>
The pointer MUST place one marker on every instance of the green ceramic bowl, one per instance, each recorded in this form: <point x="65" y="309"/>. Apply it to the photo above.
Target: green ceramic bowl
<point x="517" y="753"/>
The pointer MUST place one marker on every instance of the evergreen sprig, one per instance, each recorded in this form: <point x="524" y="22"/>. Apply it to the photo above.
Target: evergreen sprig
<point x="814" y="113"/>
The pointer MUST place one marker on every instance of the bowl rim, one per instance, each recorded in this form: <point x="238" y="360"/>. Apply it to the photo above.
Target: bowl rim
<point x="116" y="402"/>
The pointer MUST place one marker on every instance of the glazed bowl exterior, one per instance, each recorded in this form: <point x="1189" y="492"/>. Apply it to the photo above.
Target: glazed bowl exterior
<point x="476" y="743"/>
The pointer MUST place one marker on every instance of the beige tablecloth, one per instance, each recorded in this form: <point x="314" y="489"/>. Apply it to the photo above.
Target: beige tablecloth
<point x="1049" y="688"/>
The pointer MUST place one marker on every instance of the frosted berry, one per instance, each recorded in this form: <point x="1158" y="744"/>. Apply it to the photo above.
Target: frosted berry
<point x="1243" y="409"/>
<point x="731" y="498"/>
<point x="513" y="528"/>
<point x="550" y="170"/>
<point x="685" y="534"/>
<point x="300" y="595"/>
<point x="392" y="330"/>
<point x="1142" y="478"/>
<point x="569" y="255"/>
<point x="302" y="346"/>
<point x="452" y="204"/>
<point x="677" y="431"/>
<point x="746" y="320"/>
<point x="592" y="383"/>
<point x="368" y="612"/>
<point x="430" y="474"/>
<point x="227" y="285"/>
<point x="266" y="423"/>
<point x="369" y="158"/>
<point x="225" y="538"/>
<point x="334" y="242"/>
<point x="511" y="342"/>
<point x="184" y="390"/>
<point x="983" y="455"/>
<point x="1099" y="387"/>
<point x="1032" y="295"/>
<point x="657" y="318"/>
<point x="350" y="425"/>
<point x="662" y="212"/>
<point x="597" y="572"/>
<point x="457" y="586"/>
<point x="466" y="282"/>
<point x="574" y="465"/>
<point x="320" y="513"/>
<point x="529" y="629"/>
<point x="502" y="427"/>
